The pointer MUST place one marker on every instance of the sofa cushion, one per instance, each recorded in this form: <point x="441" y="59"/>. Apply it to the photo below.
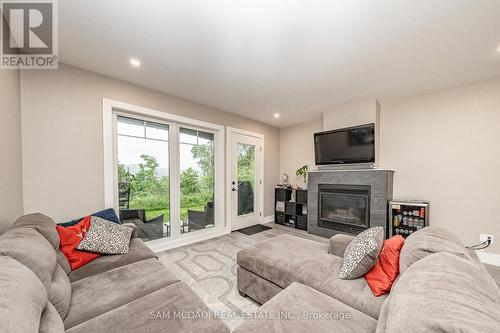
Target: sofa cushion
<point x="138" y="251"/>
<point x="107" y="214"/>
<point x="442" y="293"/>
<point x="41" y="223"/>
<point x="362" y="253"/>
<point x="282" y="258"/>
<point x="135" y="229"/>
<point x="300" y="303"/>
<point x="427" y="241"/>
<point x="70" y="238"/>
<point x="355" y="293"/>
<point x="59" y="292"/>
<point x="386" y="270"/>
<point x="106" y="237"/>
<point x="338" y="244"/>
<point x="154" y="313"/>
<point x="255" y="287"/>
<point x="63" y="262"/>
<point x="51" y="322"/>
<point x="286" y="259"/>
<point x="22" y="297"/>
<point x="32" y="250"/>
<point x="97" y="294"/>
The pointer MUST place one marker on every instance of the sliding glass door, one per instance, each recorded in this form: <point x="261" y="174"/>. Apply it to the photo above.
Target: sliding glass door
<point x="165" y="177"/>
<point x="143" y="176"/>
<point x="197" y="179"/>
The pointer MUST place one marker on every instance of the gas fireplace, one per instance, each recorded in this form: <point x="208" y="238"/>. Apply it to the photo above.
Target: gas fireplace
<point x="343" y="207"/>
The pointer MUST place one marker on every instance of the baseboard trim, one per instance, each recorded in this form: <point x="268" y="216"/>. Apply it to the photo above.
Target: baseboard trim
<point x="267" y="219"/>
<point x="167" y="244"/>
<point x="489" y="258"/>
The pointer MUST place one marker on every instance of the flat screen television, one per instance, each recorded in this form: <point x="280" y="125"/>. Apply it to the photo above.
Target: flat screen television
<point x="345" y="146"/>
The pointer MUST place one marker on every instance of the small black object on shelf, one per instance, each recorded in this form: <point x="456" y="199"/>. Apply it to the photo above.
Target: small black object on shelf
<point x="290" y="213"/>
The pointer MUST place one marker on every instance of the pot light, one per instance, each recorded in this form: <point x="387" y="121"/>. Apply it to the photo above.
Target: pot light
<point x="498" y="49"/>
<point x="135" y="62"/>
<point x="276" y="115"/>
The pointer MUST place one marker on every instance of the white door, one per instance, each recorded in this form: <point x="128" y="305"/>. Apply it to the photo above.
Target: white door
<point x="245" y="186"/>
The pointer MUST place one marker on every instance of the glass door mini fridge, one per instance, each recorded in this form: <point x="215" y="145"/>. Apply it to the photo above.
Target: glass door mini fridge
<point x="407" y="217"/>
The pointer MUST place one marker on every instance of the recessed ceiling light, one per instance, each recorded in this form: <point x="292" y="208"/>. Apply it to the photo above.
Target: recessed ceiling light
<point x="134" y="62"/>
<point x="276" y="115"/>
<point x="498" y="49"/>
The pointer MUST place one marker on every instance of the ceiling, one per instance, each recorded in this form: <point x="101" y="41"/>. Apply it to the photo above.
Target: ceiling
<point x="259" y="57"/>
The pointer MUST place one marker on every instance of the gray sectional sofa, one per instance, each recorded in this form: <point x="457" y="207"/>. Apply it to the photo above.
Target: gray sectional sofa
<point x="115" y="293"/>
<point x="442" y="287"/>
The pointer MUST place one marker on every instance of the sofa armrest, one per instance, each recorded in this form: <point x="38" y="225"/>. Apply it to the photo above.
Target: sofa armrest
<point x="338" y="243"/>
<point x="134" y="228"/>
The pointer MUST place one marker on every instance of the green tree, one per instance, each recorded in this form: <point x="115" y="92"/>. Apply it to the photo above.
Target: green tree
<point x="189" y="182"/>
<point x="145" y="181"/>
<point x="190" y="189"/>
<point x="123" y="175"/>
<point x="246" y="163"/>
<point x="147" y="190"/>
<point x="204" y="155"/>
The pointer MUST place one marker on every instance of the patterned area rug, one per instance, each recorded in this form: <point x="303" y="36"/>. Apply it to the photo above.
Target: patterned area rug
<point x="209" y="268"/>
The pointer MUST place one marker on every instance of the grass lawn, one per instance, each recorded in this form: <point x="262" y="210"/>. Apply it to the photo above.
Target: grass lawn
<point x="151" y="214"/>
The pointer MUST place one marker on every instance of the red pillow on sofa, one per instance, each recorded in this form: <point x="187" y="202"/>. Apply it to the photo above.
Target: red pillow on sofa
<point x="386" y="270"/>
<point x="70" y="237"/>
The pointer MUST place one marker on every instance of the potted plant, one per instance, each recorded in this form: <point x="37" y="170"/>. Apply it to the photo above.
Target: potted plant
<point x="302" y="172"/>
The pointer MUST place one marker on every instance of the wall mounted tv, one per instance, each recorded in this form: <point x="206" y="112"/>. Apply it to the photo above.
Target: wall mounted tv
<point x="345" y="146"/>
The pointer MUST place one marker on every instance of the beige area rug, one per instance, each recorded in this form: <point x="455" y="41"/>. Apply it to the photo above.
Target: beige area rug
<point x="209" y="268"/>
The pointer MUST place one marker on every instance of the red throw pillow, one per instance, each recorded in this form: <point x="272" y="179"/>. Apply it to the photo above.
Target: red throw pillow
<point x="70" y="237"/>
<point x="386" y="270"/>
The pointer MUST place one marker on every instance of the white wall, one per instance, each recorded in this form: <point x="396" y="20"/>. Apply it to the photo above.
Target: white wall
<point x="444" y="147"/>
<point x="62" y="137"/>
<point x="11" y="201"/>
<point x="351" y="114"/>
<point x="297" y="149"/>
<point x="354" y="114"/>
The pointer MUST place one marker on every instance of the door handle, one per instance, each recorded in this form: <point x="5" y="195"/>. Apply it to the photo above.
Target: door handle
<point x="234" y="190"/>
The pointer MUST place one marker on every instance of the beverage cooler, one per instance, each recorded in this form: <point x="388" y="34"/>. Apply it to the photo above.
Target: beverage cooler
<point x="407" y="217"/>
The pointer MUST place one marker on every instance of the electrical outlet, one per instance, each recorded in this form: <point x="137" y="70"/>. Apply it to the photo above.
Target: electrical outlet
<point x="484" y="237"/>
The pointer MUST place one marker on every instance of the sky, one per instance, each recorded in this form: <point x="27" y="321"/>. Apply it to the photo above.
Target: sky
<point x="130" y="149"/>
<point x="152" y="140"/>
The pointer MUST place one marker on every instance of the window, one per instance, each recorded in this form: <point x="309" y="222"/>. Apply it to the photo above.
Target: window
<point x="164" y="173"/>
<point x="143" y="176"/>
<point x="197" y="179"/>
<point x="246" y="178"/>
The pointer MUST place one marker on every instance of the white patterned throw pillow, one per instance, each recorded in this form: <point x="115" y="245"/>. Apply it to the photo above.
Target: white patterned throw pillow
<point x="106" y="237"/>
<point x="362" y="253"/>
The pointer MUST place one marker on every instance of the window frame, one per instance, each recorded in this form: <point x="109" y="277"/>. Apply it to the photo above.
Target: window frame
<point x="111" y="110"/>
<point x="179" y="143"/>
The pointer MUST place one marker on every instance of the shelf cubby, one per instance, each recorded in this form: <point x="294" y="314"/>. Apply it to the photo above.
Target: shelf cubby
<point x="290" y="213"/>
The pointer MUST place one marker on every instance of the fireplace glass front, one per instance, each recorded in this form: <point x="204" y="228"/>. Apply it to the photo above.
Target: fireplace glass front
<point x="344" y="207"/>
